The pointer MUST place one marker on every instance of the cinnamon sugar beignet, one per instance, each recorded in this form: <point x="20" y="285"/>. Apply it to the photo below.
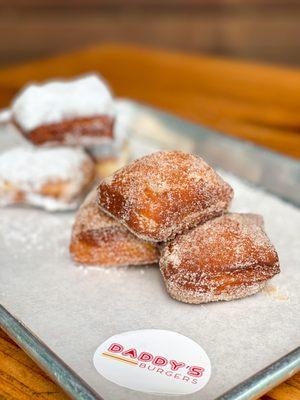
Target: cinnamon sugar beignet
<point x="163" y="194"/>
<point x="226" y="258"/>
<point x="98" y="239"/>
<point x="73" y="112"/>
<point x="51" y="178"/>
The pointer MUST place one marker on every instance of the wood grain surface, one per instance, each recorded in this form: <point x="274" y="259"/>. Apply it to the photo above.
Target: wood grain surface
<point x="254" y="102"/>
<point x="265" y="30"/>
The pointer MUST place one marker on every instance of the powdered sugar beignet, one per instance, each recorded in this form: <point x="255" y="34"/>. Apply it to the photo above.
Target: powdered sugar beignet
<point x="163" y="194"/>
<point x="227" y="258"/>
<point x="72" y="112"/>
<point x="98" y="239"/>
<point x="51" y="178"/>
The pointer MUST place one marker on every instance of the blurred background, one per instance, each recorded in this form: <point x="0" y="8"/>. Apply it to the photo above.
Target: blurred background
<point x="260" y="30"/>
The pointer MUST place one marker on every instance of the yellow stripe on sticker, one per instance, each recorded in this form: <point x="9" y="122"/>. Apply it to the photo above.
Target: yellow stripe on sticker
<point x="119" y="358"/>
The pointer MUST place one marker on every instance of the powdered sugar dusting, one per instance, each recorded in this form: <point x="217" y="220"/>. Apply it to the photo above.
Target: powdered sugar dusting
<point x="31" y="167"/>
<point x="163" y="194"/>
<point x="48" y="177"/>
<point x="279" y="294"/>
<point x="5" y="116"/>
<point x="49" y="203"/>
<point x="123" y="119"/>
<point x="55" y="101"/>
<point x="34" y="232"/>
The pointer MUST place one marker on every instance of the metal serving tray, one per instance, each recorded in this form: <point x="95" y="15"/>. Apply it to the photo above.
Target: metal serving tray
<point x="31" y="324"/>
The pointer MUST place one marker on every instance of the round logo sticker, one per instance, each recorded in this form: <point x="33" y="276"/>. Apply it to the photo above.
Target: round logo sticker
<point x="153" y="361"/>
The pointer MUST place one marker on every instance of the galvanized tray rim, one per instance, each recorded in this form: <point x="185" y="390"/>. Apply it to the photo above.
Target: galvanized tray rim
<point x="77" y="388"/>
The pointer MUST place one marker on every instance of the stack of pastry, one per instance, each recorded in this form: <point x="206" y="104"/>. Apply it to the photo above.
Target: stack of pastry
<point x="98" y="239"/>
<point x="173" y="207"/>
<point x="50" y="178"/>
<point x="72" y="133"/>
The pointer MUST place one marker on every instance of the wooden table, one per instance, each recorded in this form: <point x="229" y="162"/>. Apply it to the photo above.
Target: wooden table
<point x="255" y="102"/>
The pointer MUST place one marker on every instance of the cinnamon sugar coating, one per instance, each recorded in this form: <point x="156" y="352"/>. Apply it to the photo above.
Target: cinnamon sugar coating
<point x="98" y="239"/>
<point x="163" y="194"/>
<point x="226" y="258"/>
<point x="85" y="131"/>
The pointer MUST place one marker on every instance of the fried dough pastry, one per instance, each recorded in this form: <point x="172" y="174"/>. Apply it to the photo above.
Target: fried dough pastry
<point x="74" y="112"/>
<point x="107" y="166"/>
<point x="98" y="239"/>
<point x="226" y="258"/>
<point x="109" y="158"/>
<point x="50" y="178"/>
<point x="76" y="131"/>
<point x="163" y="194"/>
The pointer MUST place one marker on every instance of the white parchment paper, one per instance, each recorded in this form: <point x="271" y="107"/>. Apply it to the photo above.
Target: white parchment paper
<point x="73" y="309"/>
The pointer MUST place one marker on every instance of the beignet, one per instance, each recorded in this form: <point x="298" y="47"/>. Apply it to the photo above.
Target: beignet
<point x="109" y="158"/>
<point x="85" y="132"/>
<point x="98" y="239"/>
<point x="226" y="258"/>
<point x="51" y="178"/>
<point x="163" y="194"/>
<point x="71" y="112"/>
